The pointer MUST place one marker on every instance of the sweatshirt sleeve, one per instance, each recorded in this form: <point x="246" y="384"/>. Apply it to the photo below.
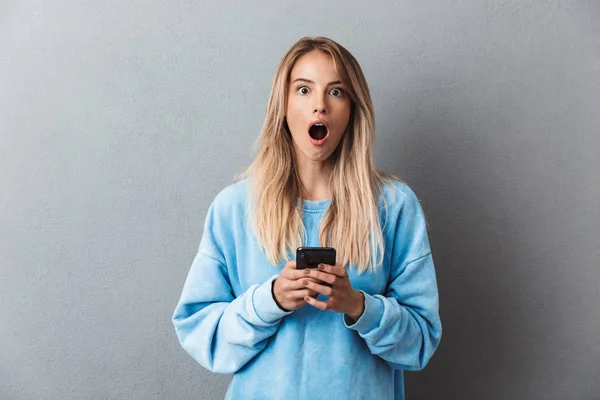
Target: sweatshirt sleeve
<point x="403" y="327"/>
<point x="221" y="332"/>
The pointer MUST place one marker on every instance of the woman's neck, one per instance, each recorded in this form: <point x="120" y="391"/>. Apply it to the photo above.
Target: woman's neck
<point x="314" y="176"/>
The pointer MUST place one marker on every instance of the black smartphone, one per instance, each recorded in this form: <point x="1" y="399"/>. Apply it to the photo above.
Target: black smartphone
<point x="311" y="257"/>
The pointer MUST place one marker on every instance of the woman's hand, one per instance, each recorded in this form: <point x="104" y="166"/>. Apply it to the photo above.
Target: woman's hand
<point x="342" y="297"/>
<point x="288" y="291"/>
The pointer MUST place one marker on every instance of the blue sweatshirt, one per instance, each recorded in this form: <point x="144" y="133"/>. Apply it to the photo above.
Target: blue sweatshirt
<point x="228" y="321"/>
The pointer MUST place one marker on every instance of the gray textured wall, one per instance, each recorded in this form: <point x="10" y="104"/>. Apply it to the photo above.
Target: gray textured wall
<point x="120" y="121"/>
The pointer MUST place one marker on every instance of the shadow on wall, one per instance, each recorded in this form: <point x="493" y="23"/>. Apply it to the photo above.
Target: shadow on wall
<point x="477" y="243"/>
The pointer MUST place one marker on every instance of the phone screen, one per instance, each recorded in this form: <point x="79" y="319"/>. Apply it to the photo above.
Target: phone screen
<point x="311" y="257"/>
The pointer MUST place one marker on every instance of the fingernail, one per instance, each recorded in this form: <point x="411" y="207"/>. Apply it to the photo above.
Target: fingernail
<point x="305" y="283"/>
<point x="306" y="271"/>
<point x="306" y="299"/>
<point x="321" y="266"/>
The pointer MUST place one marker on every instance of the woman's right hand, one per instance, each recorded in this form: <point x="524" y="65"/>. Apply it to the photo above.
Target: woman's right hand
<point x="288" y="291"/>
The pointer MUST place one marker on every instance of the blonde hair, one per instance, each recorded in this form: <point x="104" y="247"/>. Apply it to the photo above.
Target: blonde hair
<point x="351" y="224"/>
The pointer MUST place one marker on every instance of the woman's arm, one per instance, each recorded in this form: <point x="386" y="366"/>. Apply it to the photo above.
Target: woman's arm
<point x="403" y="327"/>
<point x="221" y="332"/>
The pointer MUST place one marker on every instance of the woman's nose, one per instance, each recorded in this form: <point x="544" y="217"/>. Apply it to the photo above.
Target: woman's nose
<point x="320" y="109"/>
<point x="319" y="106"/>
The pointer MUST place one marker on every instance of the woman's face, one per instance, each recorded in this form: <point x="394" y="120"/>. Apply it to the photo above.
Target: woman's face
<point x="316" y="95"/>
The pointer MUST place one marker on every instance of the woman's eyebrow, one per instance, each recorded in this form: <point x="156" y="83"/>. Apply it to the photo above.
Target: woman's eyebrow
<point x="309" y="81"/>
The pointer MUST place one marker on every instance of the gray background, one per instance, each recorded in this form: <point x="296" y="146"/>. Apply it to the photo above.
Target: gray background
<point x="120" y="121"/>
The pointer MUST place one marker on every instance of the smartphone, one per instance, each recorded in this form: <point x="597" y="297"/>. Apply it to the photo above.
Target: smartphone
<point x="311" y="257"/>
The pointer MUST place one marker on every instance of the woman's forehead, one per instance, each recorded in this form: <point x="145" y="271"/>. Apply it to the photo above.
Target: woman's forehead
<point x="315" y="66"/>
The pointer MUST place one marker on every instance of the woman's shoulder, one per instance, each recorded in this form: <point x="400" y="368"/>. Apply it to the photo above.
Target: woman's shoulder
<point x="395" y="192"/>
<point x="233" y="195"/>
<point x="400" y="202"/>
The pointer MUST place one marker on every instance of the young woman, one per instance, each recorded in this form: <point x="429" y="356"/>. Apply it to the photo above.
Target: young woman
<point x="344" y="331"/>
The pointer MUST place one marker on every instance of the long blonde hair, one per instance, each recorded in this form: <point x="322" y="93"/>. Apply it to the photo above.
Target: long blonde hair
<point x="351" y="224"/>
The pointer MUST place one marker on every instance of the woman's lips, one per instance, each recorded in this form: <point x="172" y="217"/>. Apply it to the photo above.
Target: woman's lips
<point x="319" y="142"/>
<point x="318" y="132"/>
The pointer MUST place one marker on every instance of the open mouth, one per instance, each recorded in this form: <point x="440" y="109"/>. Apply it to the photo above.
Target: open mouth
<point x="318" y="131"/>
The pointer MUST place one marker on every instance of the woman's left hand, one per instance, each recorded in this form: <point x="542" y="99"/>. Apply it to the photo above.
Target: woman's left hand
<point x="342" y="297"/>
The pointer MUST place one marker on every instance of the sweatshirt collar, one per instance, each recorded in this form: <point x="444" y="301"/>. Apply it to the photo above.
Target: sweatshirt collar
<point x="313" y="205"/>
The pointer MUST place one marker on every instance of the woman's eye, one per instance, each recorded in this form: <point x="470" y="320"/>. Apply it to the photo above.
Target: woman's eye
<point x="302" y="90"/>
<point x="337" y="92"/>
